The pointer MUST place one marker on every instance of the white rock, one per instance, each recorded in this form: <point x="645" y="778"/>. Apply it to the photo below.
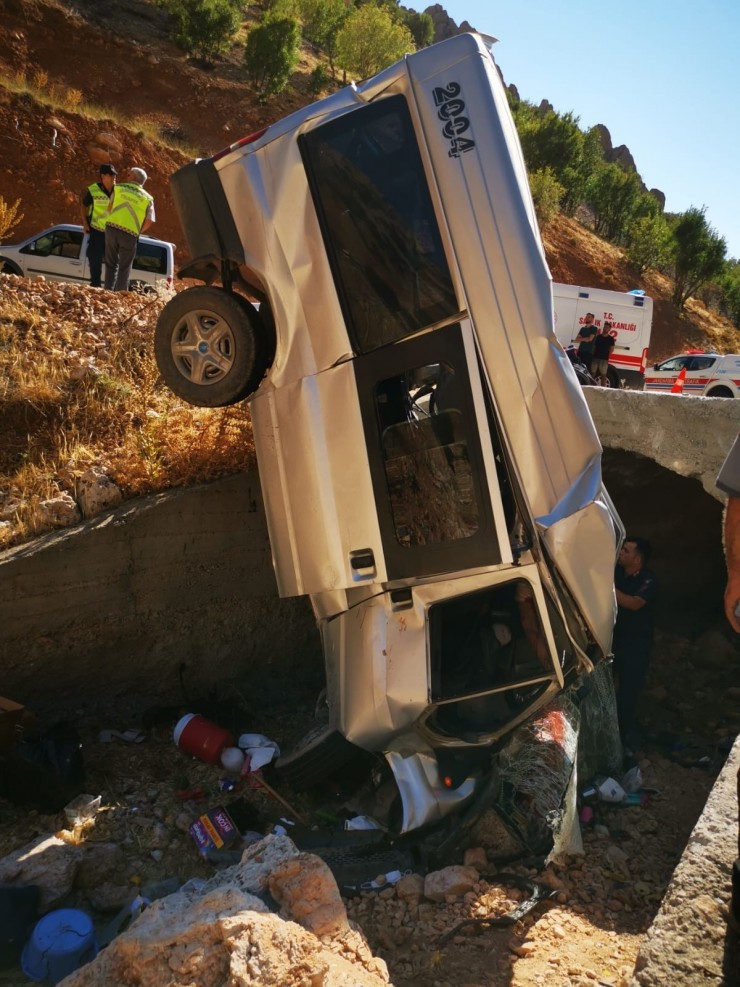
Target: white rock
<point x="96" y="492"/>
<point x="455" y="880"/>
<point x="61" y="510"/>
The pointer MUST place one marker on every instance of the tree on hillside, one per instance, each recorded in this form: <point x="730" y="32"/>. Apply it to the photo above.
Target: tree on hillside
<point x="421" y="27"/>
<point x="649" y="242"/>
<point x="280" y="9"/>
<point x="370" y="41"/>
<point x="614" y="194"/>
<point x="730" y="281"/>
<point x="205" y="28"/>
<point x="271" y="54"/>
<point x="553" y="140"/>
<point x="322" y="22"/>
<point x="699" y="254"/>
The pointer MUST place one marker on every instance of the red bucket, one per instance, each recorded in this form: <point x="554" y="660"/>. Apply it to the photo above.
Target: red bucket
<point x="196" y="735"/>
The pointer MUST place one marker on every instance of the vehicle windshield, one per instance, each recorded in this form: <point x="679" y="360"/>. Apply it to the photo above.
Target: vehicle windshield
<point x="379" y="224"/>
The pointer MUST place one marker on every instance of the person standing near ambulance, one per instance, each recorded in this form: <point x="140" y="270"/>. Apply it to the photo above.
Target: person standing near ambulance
<point x="95" y="201"/>
<point x="603" y="346"/>
<point x="130" y="213"/>
<point x="585" y="340"/>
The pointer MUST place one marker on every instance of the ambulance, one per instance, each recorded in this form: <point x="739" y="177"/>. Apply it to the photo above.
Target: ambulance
<point x="631" y="317"/>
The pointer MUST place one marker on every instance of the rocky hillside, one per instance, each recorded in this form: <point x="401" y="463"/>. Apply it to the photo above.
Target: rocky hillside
<point x="118" y="58"/>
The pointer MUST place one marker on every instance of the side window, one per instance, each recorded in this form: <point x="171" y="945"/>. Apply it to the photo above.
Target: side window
<point x="424" y="440"/>
<point x="41" y="246"/>
<point x="69" y="244"/>
<point x="702" y="362"/>
<point x="60" y="243"/>
<point x="150" y="257"/>
<point x="378" y="223"/>
<point x="427" y="465"/>
<point x="677" y="363"/>
<point x="489" y="657"/>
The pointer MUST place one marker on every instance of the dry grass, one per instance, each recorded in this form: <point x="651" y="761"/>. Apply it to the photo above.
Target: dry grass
<point x="59" y="97"/>
<point x="79" y="388"/>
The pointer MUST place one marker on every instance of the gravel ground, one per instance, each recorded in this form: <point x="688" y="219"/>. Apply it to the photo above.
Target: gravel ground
<point x="588" y="933"/>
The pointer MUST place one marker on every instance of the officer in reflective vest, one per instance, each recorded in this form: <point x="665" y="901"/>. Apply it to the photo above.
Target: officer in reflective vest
<point x="130" y="213"/>
<point x="95" y="200"/>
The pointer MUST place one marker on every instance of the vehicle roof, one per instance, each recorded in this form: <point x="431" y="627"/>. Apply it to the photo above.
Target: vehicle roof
<point x="76" y="227"/>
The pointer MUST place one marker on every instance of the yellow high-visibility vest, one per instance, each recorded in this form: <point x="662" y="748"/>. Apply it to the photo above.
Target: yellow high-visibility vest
<point x="99" y="212"/>
<point x="130" y="205"/>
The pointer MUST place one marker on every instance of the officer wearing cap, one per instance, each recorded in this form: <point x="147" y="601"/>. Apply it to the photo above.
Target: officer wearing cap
<point x="130" y="213"/>
<point x="95" y="200"/>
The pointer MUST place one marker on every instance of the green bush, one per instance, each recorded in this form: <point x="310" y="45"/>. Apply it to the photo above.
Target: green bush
<point x="317" y="81"/>
<point x="205" y="28"/>
<point x="272" y="53"/>
<point x="547" y="193"/>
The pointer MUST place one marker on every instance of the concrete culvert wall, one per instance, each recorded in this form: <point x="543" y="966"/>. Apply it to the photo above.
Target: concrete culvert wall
<point x="117" y="605"/>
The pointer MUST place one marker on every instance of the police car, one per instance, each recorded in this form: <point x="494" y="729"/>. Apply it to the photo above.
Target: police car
<point x="60" y="254"/>
<point x="709" y="375"/>
<point x="430" y="470"/>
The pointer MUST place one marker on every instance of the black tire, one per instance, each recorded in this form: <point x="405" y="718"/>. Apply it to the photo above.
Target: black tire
<point x="267" y="321"/>
<point x="10" y="267"/>
<point x="316" y="756"/>
<point x="210" y="348"/>
<point x="720" y="392"/>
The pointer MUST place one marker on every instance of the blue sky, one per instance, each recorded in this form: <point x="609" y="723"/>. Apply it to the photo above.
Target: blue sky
<point x="662" y="76"/>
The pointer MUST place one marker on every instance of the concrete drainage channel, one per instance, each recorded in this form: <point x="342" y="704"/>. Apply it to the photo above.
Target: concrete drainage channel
<point x="117" y="605"/>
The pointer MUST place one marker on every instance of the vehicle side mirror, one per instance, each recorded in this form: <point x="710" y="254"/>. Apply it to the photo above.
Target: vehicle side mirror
<point x="656" y="367"/>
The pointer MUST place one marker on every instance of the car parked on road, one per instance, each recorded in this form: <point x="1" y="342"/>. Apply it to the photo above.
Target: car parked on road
<point x="60" y="254"/>
<point x="709" y="375"/>
<point x="430" y="470"/>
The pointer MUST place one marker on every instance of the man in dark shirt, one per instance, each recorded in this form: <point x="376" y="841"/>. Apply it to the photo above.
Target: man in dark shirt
<point x="636" y="589"/>
<point x="94" y="207"/>
<point x="603" y="346"/>
<point x="585" y="339"/>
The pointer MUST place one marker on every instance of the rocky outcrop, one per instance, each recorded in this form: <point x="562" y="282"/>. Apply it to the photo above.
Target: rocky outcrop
<point x="227" y="931"/>
<point x="444" y="26"/>
<point x="55" y="866"/>
<point x="622" y="156"/>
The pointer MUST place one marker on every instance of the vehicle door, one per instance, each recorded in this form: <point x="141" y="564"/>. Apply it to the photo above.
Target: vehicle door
<point x="565" y="306"/>
<point x="150" y="263"/>
<point x="408" y="486"/>
<point x="699" y="371"/>
<point x="55" y="254"/>
<point x="664" y="375"/>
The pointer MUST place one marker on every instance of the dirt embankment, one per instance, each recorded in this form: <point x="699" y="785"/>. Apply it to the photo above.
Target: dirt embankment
<point x="118" y="56"/>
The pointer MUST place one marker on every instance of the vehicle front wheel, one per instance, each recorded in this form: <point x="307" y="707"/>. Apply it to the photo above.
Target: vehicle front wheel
<point x="10" y="267"/>
<point x="720" y="392"/>
<point x="210" y="348"/>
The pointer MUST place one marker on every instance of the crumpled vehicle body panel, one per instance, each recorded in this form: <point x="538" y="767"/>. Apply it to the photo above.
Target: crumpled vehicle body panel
<point x="430" y="468"/>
